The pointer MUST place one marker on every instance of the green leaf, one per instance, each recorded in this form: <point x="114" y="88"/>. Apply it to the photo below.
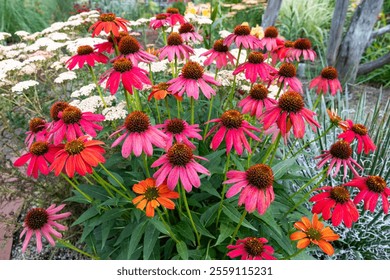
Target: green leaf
<point x="282" y="167"/>
<point x="182" y="250"/>
<point x="209" y="215"/>
<point x="126" y="232"/>
<point x="150" y="239"/>
<point x="94" y="191"/>
<point x="210" y="187"/>
<point x="232" y="213"/>
<point x="112" y="214"/>
<point x="136" y="238"/>
<point x="237" y="162"/>
<point x="159" y="226"/>
<point x="90" y="213"/>
<point x="185" y="230"/>
<point x="269" y="220"/>
<point x="226" y="230"/>
<point x="106" y="228"/>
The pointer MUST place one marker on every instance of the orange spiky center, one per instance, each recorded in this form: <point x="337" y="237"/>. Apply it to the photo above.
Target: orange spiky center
<point x="137" y="122"/>
<point x="232" y="119"/>
<point x="39" y="148"/>
<point x="376" y="184"/>
<point x="258" y="92"/>
<point x="256" y="57"/>
<point x="341" y="149"/>
<point x="179" y="154"/>
<point x="128" y="45"/>
<point x="260" y="176"/>
<point x="107" y="17"/>
<point x="123" y="65"/>
<point x="172" y="10"/>
<point x="71" y="115"/>
<point x="192" y="70"/>
<point x="287" y="70"/>
<point x="84" y="50"/>
<point x="37" y="124"/>
<point x="329" y="73"/>
<point x="175" y="126"/>
<point x="186" y="28"/>
<point x="242" y="30"/>
<point x="219" y="46"/>
<point x="174" y="39"/>
<point x="253" y="246"/>
<point x="359" y="129"/>
<point x="340" y="194"/>
<point x="271" y="32"/>
<point x="57" y="107"/>
<point x="291" y="101"/>
<point x="74" y="147"/>
<point x="36" y="218"/>
<point x="302" y="44"/>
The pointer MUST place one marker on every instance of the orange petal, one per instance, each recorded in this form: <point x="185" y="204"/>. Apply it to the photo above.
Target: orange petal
<point x="139" y="188"/>
<point x="149" y="210"/>
<point x="138" y="199"/>
<point x="149" y="182"/>
<point x="316" y="223"/>
<point x="298" y="235"/>
<point x="303" y="243"/>
<point x="142" y="204"/>
<point x="306" y="222"/>
<point x="301" y="226"/>
<point x="326" y="247"/>
<point x="167" y="203"/>
<point x="328" y="234"/>
<point x="154" y="203"/>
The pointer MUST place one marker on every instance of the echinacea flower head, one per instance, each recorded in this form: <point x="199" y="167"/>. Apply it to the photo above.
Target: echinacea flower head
<point x="269" y="40"/>
<point x="37" y="131"/>
<point x="40" y="155"/>
<point x="360" y="133"/>
<point x="256" y="101"/>
<point x="78" y="155"/>
<point x="254" y="186"/>
<point x="139" y="135"/>
<point x="85" y="55"/>
<point x="302" y="47"/>
<point x="179" y="163"/>
<point x="188" y="33"/>
<point x="287" y="75"/>
<point x="220" y="54"/>
<point x="179" y="130"/>
<point x="335" y="203"/>
<point x="335" y="119"/>
<point x="339" y="154"/>
<point x="289" y="112"/>
<point x="159" y="21"/>
<point x="251" y="248"/>
<point x="255" y="68"/>
<point x="160" y="91"/>
<point x="130" y="75"/>
<point x="175" y="48"/>
<point x="191" y="79"/>
<point x="108" y="23"/>
<point x="314" y="232"/>
<point x="130" y="48"/>
<point x="152" y="196"/>
<point x="371" y="189"/>
<point x="242" y="38"/>
<point x="327" y="81"/>
<point x="74" y="123"/>
<point x="232" y="127"/>
<point x="40" y="221"/>
<point x="174" y="16"/>
<point x="56" y="108"/>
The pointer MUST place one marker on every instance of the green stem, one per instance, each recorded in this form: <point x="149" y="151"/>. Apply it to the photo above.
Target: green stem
<point x="164" y="35"/>
<point x="294" y="255"/>
<point x="97" y="85"/>
<point x="192" y="110"/>
<point x="102" y="181"/>
<point x="158" y="110"/>
<point x="308" y="183"/>
<point x="114" y="43"/>
<point x="167" y="107"/>
<point x="231" y="95"/>
<point x="190" y="215"/>
<point x="145" y="160"/>
<point x="128" y="102"/>
<point x="227" y="164"/>
<point x="178" y="108"/>
<point x="276" y="145"/>
<point x="151" y="74"/>
<point x="317" y="101"/>
<point x="74" y="248"/>
<point x="280" y="89"/>
<point x="137" y="99"/>
<point x="171" y="234"/>
<point x="99" y="181"/>
<point x="238" y="226"/>
<point x="208" y="117"/>
<point x="87" y="197"/>
<point x="175" y="67"/>
<point x="113" y="177"/>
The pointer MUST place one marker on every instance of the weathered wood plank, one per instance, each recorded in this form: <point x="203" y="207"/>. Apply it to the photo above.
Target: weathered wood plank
<point x="271" y="13"/>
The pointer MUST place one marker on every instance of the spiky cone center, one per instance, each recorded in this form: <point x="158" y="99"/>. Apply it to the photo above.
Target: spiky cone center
<point x="271" y="32"/>
<point x="74" y="147"/>
<point x="219" y="46"/>
<point x="302" y="44"/>
<point x="253" y="247"/>
<point x="172" y="10"/>
<point x="162" y="86"/>
<point x="137" y="121"/>
<point x="291" y="101"/>
<point x="39" y="148"/>
<point x="37" y="124"/>
<point x="314" y="234"/>
<point x="329" y="73"/>
<point x="151" y="193"/>
<point x="161" y="16"/>
<point x="179" y="155"/>
<point x="175" y="126"/>
<point x="376" y="184"/>
<point x="128" y="44"/>
<point x="107" y="17"/>
<point x="57" y="107"/>
<point x="340" y="194"/>
<point x="288" y="44"/>
<point x="232" y="119"/>
<point x="71" y="115"/>
<point x="186" y="28"/>
<point x="258" y="92"/>
<point x="122" y="65"/>
<point x="192" y="70"/>
<point x="36" y="218"/>
<point x="256" y="57"/>
<point x="359" y="129"/>
<point x="287" y="70"/>
<point x="260" y="175"/>
<point x="83" y="50"/>
<point x="174" y="39"/>
<point x="242" y="30"/>
<point x="341" y="149"/>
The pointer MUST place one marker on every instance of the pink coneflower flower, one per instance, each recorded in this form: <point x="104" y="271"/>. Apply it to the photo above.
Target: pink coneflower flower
<point x="255" y="186"/>
<point x="40" y="155"/>
<point x="85" y="55"/>
<point x="78" y="155"/>
<point x="73" y="123"/>
<point x="371" y="188"/>
<point x="107" y="47"/>
<point x="174" y="16"/>
<point x="360" y="133"/>
<point x="269" y="41"/>
<point x="131" y="76"/>
<point x="234" y="126"/>
<point x="130" y="48"/>
<point x="302" y="47"/>
<point x="289" y="112"/>
<point x="242" y="38"/>
<point x="287" y="75"/>
<point x="179" y="163"/>
<point x="327" y="81"/>
<point x="255" y="67"/>
<point x="191" y="79"/>
<point x="335" y="203"/>
<point x="40" y="221"/>
<point x="37" y="132"/>
<point x="108" y="23"/>
<point x="220" y="53"/>
<point x="339" y="154"/>
<point x="159" y="21"/>
<point x="139" y="135"/>
<point x="188" y="33"/>
<point x="55" y="109"/>
<point x="251" y="248"/>
<point x="180" y="130"/>
<point x="256" y="101"/>
<point x="280" y="53"/>
<point x="175" y="48"/>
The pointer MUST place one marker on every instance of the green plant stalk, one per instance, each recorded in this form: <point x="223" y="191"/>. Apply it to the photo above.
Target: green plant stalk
<point x="275" y="148"/>
<point x="97" y="85"/>
<point x="210" y="108"/>
<point x="176" y="74"/>
<point x="137" y="99"/>
<point x="171" y="234"/>
<point x="158" y="110"/>
<point x="99" y="181"/>
<point x="74" y="248"/>
<point x="167" y="107"/>
<point x="318" y="99"/>
<point x="127" y="98"/>
<point x="102" y="181"/>
<point x="151" y="74"/>
<point x="190" y="215"/>
<point x="114" y="43"/>
<point x="223" y="190"/>
<point x="113" y="177"/>
<point x="145" y="161"/>
<point x="164" y="35"/>
<point x="280" y="89"/>
<point x="231" y="95"/>
<point x="308" y="183"/>
<point x="192" y="110"/>
<point x="238" y="227"/>
<point x="87" y="197"/>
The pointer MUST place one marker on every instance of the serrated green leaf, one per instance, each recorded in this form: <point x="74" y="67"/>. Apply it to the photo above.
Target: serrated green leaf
<point x="182" y="250"/>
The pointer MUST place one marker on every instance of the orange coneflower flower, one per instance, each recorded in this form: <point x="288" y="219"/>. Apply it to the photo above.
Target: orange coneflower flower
<point x="152" y="196"/>
<point x="314" y="232"/>
<point x="160" y="91"/>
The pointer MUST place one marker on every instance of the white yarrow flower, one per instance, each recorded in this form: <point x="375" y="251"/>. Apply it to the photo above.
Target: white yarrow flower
<point x="84" y="91"/>
<point x="66" y="76"/>
<point x="117" y="112"/>
<point x="21" y="86"/>
<point x="4" y="35"/>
